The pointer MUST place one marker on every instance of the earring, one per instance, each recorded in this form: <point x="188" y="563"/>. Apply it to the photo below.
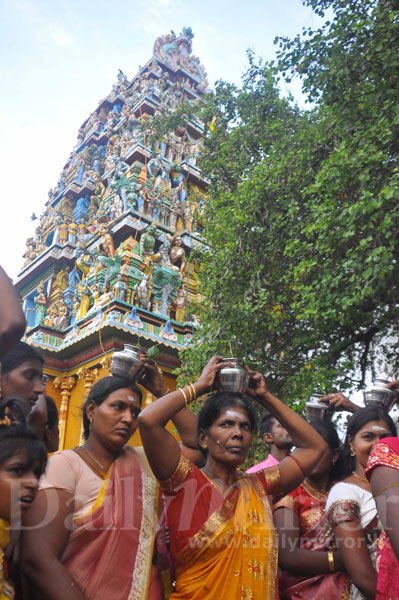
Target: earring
<point x="90" y="422"/>
<point x="334" y="460"/>
<point x="353" y="453"/>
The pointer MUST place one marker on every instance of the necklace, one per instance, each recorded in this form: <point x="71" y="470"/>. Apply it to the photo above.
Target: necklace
<point x="315" y="493"/>
<point x="360" y="477"/>
<point x="213" y="483"/>
<point x="103" y="471"/>
<point x="362" y="481"/>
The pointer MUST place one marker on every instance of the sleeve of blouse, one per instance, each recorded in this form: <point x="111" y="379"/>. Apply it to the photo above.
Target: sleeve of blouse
<point x="382" y="455"/>
<point x="288" y="501"/>
<point x="342" y="505"/>
<point x="183" y="470"/>
<point x="270" y="480"/>
<point x="61" y="473"/>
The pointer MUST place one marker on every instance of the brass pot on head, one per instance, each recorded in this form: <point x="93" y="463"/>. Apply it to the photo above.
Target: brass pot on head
<point x="380" y="395"/>
<point x="126" y="363"/>
<point x="318" y="411"/>
<point x="233" y="379"/>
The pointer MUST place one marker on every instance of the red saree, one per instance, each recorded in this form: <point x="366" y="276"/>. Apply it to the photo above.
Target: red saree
<point x="386" y="454"/>
<point x="109" y="554"/>
<point x="315" y="534"/>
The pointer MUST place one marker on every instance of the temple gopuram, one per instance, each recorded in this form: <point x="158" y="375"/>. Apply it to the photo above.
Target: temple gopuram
<point x="111" y="260"/>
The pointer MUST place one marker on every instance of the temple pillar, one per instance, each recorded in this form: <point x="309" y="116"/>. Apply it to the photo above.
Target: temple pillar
<point x="65" y="385"/>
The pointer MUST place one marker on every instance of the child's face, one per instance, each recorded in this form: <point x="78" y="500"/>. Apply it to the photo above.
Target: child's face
<point x="19" y="482"/>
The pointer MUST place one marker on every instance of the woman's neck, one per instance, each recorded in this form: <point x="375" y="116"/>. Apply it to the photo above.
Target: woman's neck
<point x="104" y="456"/>
<point x="359" y="470"/>
<point x="319" y="483"/>
<point x="220" y="472"/>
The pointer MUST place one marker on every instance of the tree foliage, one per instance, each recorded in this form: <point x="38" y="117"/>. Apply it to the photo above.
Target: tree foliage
<point x="301" y="270"/>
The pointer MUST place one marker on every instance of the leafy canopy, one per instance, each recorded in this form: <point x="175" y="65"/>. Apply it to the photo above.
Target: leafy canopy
<point x="300" y="272"/>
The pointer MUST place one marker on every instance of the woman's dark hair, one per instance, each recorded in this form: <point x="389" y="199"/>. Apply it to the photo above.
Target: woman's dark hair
<point x="19" y="354"/>
<point x="215" y="404"/>
<point x="100" y="392"/>
<point x="357" y="421"/>
<point x="16" y="437"/>
<point x="52" y="412"/>
<point x="328" y="432"/>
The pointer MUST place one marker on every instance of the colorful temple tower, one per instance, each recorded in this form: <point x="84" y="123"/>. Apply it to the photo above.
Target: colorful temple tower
<point x="111" y="260"/>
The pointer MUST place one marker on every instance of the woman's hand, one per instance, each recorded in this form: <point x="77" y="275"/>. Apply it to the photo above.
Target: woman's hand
<point x="339" y="402"/>
<point x="151" y="378"/>
<point x="257" y="387"/>
<point x="208" y="375"/>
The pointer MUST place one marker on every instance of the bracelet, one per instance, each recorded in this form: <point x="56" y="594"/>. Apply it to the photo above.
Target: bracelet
<point x="331" y="564"/>
<point x="194" y="392"/>
<point x="298" y="464"/>
<point x="190" y="392"/>
<point x="167" y="391"/>
<point x="385" y="488"/>
<point x="185" y="397"/>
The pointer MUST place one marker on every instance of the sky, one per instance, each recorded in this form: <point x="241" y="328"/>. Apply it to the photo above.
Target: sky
<point x="59" y="58"/>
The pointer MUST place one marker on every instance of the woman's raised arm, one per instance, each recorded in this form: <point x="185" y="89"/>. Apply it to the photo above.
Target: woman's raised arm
<point x="162" y="450"/>
<point x="12" y="319"/>
<point x="310" y="446"/>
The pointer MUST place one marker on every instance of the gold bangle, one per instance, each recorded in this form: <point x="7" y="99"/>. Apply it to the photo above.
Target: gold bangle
<point x="331" y="564"/>
<point x="185" y="397"/>
<point x="385" y="488"/>
<point x="194" y="392"/>
<point x="190" y="393"/>
<point x="167" y="391"/>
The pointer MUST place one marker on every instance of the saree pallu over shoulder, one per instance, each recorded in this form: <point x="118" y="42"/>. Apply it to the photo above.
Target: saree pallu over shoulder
<point x="234" y="553"/>
<point x="385" y="454"/>
<point x="109" y="553"/>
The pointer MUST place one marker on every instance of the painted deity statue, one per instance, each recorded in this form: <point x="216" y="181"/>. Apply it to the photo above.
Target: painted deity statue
<point x="147" y="243"/>
<point x="40" y="305"/>
<point x="120" y="289"/>
<point x="107" y="243"/>
<point x="177" y="254"/>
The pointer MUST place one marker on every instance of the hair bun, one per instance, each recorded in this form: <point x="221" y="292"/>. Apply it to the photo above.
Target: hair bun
<point x="11" y="412"/>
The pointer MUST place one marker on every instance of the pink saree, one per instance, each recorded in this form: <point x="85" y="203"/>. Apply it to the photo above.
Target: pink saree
<point x="109" y="553"/>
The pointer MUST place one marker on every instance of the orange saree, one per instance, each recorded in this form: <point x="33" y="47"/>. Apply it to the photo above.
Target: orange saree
<point x="223" y="546"/>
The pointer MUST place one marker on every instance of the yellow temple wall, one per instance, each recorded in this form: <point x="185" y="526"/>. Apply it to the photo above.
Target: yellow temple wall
<point x="70" y="389"/>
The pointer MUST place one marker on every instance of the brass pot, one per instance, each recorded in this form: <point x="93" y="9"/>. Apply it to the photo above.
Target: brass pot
<point x="379" y="395"/>
<point x="126" y="363"/>
<point x="233" y="379"/>
<point x="318" y="411"/>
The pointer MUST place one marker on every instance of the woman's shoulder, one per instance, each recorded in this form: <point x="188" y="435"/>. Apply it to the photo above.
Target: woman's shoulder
<point x="342" y="490"/>
<point x="62" y="471"/>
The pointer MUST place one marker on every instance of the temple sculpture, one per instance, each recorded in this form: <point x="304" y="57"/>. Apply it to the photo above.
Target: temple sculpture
<point x="110" y="259"/>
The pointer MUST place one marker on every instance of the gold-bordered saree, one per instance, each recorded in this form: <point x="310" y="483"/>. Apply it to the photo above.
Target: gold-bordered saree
<point x="109" y="553"/>
<point x="223" y="546"/>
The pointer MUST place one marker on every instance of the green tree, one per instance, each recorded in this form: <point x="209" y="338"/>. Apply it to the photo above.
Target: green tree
<point x="301" y="268"/>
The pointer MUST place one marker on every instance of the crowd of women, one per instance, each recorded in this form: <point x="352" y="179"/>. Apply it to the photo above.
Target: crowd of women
<point x="106" y="520"/>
